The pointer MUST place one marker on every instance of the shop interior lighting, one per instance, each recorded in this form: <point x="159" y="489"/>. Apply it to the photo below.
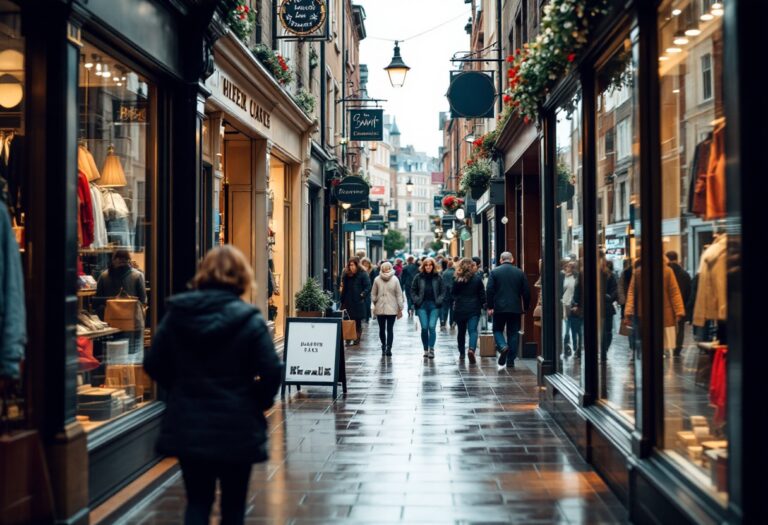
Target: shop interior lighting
<point x="676" y="12"/>
<point x="680" y="39"/>
<point x="11" y="91"/>
<point x="98" y="69"/>
<point x="706" y="17"/>
<point x="718" y="12"/>
<point x="663" y="58"/>
<point x="693" y="31"/>
<point x="112" y="174"/>
<point x="105" y="72"/>
<point x="673" y="50"/>
<point x="87" y="64"/>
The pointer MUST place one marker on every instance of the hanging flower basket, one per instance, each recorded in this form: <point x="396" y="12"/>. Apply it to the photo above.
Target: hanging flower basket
<point x="451" y="203"/>
<point x="566" y="188"/>
<point x="476" y="176"/>
<point x="242" y="20"/>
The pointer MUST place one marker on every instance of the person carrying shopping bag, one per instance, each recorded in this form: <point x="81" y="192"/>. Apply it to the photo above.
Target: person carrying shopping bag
<point x="388" y="299"/>
<point x="355" y="294"/>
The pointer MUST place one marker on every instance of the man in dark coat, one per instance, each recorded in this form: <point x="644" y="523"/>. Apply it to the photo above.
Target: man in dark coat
<point x="446" y="311"/>
<point x="508" y="296"/>
<point x="409" y="272"/>
<point x="684" y="284"/>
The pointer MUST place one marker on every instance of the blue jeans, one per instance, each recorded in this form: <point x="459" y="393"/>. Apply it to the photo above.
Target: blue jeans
<point x="428" y="313"/>
<point x="512" y="323"/>
<point x="446" y="311"/>
<point x="463" y="325"/>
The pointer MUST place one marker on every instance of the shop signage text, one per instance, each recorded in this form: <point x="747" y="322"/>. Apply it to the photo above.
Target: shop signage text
<point x="366" y="124"/>
<point x="313" y="353"/>
<point x="392" y="215"/>
<point x="129" y="111"/>
<point x="248" y="105"/>
<point x="352" y="190"/>
<point x="302" y="17"/>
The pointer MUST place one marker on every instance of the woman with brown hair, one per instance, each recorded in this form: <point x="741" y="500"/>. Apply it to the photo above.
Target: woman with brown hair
<point x="355" y="294"/>
<point x="207" y="353"/>
<point x="428" y="293"/>
<point x="469" y="298"/>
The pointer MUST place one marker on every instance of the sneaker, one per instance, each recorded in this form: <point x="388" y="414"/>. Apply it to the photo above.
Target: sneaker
<point x="503" y="356"/>
<point x="431" y="353"/>
<point x="426" y="352"/>
<point x="471" y="355"/>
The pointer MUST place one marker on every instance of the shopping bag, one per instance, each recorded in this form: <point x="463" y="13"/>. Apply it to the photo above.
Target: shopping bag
<point x="348" y="327"/>
<point x="124" y="312"/>
<point x="625" y="329"/>
<point x="487" y="345"/>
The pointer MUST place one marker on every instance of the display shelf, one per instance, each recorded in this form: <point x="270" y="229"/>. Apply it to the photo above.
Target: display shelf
<point x="101" y="333"/>
<point x="86" y="292"/>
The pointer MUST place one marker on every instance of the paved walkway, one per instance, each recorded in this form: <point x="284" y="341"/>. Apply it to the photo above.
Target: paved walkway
<point x="416" y="441"/>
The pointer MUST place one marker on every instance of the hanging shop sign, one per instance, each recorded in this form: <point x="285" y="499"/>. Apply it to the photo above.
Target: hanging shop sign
<point x="129" y="111"/>
<point x="393" y="215"/>
<point x="313" y="353"/>
<point x="437" y="202"/>
<point x="350" y="227"/>
<point x="352" y="190"/>
<point x="302" y="17"/>
<point x="366" y="124"/>
<point x="374" y="226"/>
<point x="374" y="207"/>
<point x="247" y="104"/>
<point x="447" y="221"/>
<point x="471" y="94"/>
<point x="378" y="190"/>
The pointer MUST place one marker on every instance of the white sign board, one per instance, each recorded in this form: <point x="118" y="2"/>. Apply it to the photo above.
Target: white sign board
<point x="311" y="350"/>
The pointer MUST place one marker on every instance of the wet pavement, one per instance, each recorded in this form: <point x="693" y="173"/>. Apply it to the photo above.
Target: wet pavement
<point x="415" y="441"/>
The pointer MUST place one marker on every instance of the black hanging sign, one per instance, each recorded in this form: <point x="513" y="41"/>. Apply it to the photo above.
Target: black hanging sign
<point x="302" y="17"/>
<point x="471" y="94"/>
<point x="352" y="190"/>
<point x="366" y="124"/>
<point x="392" y="215"/>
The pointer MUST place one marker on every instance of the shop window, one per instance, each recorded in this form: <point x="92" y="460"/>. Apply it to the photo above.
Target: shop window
<point x="617" y="238"/>
<point x="569" y="239"/>
<point x="279" y="222"/>
<point x="115" y="277"/>
<point x="694" y="354"/>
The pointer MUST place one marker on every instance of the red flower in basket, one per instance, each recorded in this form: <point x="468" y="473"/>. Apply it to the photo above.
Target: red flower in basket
<point x="452" y="203"/>
<point x="335" y="182"/>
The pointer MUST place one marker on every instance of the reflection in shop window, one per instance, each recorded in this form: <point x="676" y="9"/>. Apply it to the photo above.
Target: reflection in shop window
<point x="695" y="348"/>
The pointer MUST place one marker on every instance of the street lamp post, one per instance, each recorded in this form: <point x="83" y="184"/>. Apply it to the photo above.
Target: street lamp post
<point x="409" y="220"/>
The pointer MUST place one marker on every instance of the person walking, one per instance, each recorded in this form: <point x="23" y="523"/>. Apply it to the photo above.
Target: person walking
<point x="609" y="287"/>
<point x="428" y="293"/>
<point x="569" y="280"/>
<point x="508" y="296"/>
<point x="367" y="265"/>
<point x="469" y="298"/>
<point x="387" y="296"/>
<point x="684" y="284"/>
<point x="206" y="353"/>
<point x="409" y="273"/>
<point x="355" y="294"/>
<point x="122" y="277"/>
<point x="398" y="268"/>
<point x="446" y="311"/>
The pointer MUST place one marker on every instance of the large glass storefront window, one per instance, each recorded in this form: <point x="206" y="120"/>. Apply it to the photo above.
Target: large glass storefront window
<point x="569" y="241"/>
<point x="114" y="218"/>
<point x="695" y="349"/>
<point x="279" y="216"/>
<point x="618" y="187"/>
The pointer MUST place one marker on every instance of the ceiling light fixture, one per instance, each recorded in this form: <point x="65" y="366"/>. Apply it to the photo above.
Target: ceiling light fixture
<point x="680" y="39"/>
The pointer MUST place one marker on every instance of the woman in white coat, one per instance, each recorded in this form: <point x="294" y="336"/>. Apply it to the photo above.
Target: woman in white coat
<point x="387" y="296"/>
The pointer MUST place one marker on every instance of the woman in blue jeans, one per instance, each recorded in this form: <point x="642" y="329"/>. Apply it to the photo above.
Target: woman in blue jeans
<point x="469" y="298"/>
<point x="428" y="293"/>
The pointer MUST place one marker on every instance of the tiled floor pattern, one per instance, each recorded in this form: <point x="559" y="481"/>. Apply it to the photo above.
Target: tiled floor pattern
<point x="415" y="441"/>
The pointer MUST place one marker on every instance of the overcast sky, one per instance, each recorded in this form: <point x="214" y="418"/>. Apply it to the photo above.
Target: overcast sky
<point x="418" y="103"/>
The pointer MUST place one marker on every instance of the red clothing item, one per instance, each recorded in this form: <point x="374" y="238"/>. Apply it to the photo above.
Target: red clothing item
<point x="718" y="393"/>
<point x="85" y="210"/>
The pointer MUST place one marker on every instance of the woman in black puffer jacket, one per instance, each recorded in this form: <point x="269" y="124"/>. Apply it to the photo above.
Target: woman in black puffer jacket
<point x="207" y="353"/>
<point x="469" y="300"/>
<point x="356" y="294"/>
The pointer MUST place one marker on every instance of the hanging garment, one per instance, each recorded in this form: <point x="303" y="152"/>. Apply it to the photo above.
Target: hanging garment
<point x="716" y="176"/>
<point x="113" y="205"/>
<point x="85" y="210"/>
<point x="100" y="239"/>
<point x="697" y="194"/>
<point x="718" y="391"/>
<point x="711" y="294"/>
<point x="13" y="317"/>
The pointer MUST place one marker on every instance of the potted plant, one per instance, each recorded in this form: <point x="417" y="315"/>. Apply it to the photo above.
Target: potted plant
<point x="477" y="174"/>
<point x="275" y="63"/>
<point x="565" y="186"/>
<point x="306" y="101"/>
<point x="312" y="300"/>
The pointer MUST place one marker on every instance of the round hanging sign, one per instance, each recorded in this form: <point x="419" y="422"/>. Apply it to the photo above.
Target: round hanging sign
<point x="302" y="17"/>
<point x="352" y="190"/>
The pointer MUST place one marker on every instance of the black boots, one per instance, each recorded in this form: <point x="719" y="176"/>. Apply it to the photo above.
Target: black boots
<point x="389" y="351"/>
<point x="386" y="350"/>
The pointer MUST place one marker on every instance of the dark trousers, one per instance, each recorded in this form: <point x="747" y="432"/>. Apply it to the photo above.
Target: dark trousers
<point x="386" y="329"/>
<point x="200" y="482"/>
<point x="512" y="323"/>
<point x="446" y="311"/>
<point x="680" y="336"/>
<point x="607" y="338"/>
<point x="411" y="308"/>
<point x="359" y="328"/>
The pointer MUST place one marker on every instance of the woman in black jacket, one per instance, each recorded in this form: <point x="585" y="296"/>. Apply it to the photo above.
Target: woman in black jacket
<point x="468" y="299"/>
<point x="428" y="293"/>
<point x="207" y="353"/>
<point x="356" y="294"/>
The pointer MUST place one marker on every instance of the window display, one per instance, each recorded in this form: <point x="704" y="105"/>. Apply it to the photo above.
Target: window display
<point x="695" y="349"/>
<point x="279" y="216"/>
<point x="114" y="174"/>
<point x="569" y="239"/>
<point x="617" y="184"/>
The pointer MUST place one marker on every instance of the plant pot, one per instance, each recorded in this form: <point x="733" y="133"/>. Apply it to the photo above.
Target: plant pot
<point x="477" y="191"/>
<point x="565" y="191"/>
<point x="313" y="313"/>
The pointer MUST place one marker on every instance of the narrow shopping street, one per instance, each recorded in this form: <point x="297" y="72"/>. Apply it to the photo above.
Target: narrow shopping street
<point x="415" y="441"/>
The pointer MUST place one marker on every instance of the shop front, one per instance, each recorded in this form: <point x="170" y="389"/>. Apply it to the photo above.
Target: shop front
<point x="260" y="144"/>
<point x="88" y="169"/>
<point x="648" y="358"/>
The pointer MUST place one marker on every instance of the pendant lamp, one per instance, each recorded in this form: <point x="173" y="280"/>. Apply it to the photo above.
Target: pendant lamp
<point x="112" y="175"/>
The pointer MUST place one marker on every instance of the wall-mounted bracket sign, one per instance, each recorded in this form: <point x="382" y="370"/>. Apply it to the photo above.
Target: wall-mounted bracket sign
<point x="352" y="190"/>
<point x="314" y="353"/>
<point x="471" y="94"/>
<point x="366" y="124"/>
<point x="302" y="17"/>
<point x="392" y="215"/>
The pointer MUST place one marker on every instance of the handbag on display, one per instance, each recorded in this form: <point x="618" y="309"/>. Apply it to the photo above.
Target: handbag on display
<point x="625" y="329"/>
<point x="348" y="327"/>
<point x="124" y="312"/>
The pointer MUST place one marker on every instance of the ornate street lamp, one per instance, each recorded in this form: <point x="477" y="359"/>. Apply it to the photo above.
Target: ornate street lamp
<point x="397" y="68"/>
<point x="409" y="185"/>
